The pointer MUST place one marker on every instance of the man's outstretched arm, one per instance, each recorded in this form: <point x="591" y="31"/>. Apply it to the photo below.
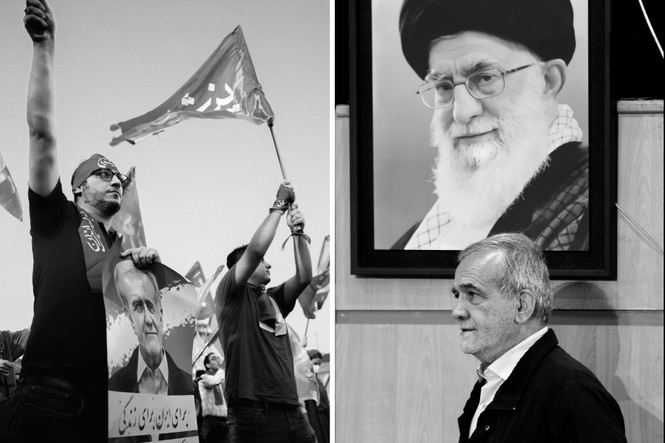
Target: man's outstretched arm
<point x="294" y="286"/>
<point x="39" y="22"/>
<point x="264" y="235"/>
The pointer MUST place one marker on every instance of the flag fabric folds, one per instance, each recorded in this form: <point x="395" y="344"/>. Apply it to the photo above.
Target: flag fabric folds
<point x="207" y="328"/>
<point x="205" y="303"/>
<point x="225" y="86"/>
<point x="128" y="221"/>
<point x="312" y="298"/>
<point x="307" y="387"/>
<point x="9" y="198"/>
<point x="195" y="275"/>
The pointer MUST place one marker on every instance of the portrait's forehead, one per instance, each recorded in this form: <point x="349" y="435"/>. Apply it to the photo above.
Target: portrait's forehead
<point x="469" y="52"/>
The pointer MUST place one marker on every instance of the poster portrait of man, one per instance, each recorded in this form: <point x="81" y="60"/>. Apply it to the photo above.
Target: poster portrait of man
<point x="150" y="369"/>
<point x="150" y="330"/>
<point x="480" y="122"/>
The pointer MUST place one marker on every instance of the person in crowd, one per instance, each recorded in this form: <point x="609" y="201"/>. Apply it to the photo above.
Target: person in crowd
<point x="12" y="347"/>
<point x="260" y="384"/>
<point x="150" y="370"/>
<point x="62" y="392"/>
<point x="529" y="389"/>
<point x="214" y="426"/>
<point x="318" y="415"/>
<point x="510" y="156"/>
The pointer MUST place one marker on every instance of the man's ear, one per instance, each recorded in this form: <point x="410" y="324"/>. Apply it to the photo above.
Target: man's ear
<point x="555" y="76"/>
<point x="526" y="306"/>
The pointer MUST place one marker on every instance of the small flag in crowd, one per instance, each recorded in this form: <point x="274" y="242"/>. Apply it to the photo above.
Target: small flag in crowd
<point x="9" y="198"/>
<point x="205" y="302"/>
<point x="312" y="298"/>
<point x="128" y="220"/>
<point x="195" y="275"/>
<point x="225" y="86"/>
<point x="308" y="388"/>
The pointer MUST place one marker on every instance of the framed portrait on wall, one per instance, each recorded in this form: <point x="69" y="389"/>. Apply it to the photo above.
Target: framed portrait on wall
<point x="527" y="148"/>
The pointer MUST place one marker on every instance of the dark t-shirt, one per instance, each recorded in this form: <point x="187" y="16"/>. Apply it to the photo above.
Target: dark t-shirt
<point x="259" y="364"/>
<point x="68" y="332"/>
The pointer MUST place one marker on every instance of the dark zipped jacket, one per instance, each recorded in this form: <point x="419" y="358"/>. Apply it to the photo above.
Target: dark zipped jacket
<point x="549" y="397"/>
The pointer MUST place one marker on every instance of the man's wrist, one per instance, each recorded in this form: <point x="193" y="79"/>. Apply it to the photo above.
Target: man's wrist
<point x="280" y="206"/>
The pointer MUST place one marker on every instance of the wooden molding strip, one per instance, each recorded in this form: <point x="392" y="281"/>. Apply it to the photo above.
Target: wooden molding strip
<point x="559" y="317"/>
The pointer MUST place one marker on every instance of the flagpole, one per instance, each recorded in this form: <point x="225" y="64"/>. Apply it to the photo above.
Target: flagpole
<point x="281" y="166"/>
<point x="213" y="337"/>
<point x="279" y="158"/>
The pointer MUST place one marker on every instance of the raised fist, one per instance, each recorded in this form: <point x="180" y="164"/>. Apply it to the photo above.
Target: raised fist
<point x="39" y="20"/>
<point x="286" y="192"/>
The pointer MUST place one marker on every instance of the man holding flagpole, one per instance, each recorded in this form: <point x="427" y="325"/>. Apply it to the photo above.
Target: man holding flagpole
<point x="62" y="393"/>
<point x="260" y="385"/>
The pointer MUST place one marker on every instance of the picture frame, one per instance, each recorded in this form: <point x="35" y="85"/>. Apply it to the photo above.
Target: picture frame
<point x="383" y="119"/>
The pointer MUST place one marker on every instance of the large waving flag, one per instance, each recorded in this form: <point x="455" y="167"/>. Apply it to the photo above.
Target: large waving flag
<point x="225" y="86"/>
<point x="9" y="198"/>
<point x="312" y="298"/>
<point x="128" y="220"/>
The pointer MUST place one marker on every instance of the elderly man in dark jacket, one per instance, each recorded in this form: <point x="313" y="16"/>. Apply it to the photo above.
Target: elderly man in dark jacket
<point x="529" y="389"/>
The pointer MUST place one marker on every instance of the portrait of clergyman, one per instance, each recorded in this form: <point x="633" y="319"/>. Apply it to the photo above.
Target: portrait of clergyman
<point x="143" y="314"/>
<point x="480" y="122"/>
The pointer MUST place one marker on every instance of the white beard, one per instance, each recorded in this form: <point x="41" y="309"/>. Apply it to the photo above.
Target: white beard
<point x="476" y="184"/>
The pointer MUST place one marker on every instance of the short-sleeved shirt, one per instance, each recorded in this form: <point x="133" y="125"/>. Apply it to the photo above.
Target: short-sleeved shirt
<point x="259" y="364"/>
<point x="68" y="332"/>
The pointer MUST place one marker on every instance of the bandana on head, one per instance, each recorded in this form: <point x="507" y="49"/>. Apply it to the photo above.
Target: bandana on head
<point x="95" y="162"/>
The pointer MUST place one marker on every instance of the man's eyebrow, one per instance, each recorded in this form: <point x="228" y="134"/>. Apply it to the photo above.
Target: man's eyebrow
<point x="478" y="66"/>
<point x="469" y="287"/>
<point x="465" y="70"/>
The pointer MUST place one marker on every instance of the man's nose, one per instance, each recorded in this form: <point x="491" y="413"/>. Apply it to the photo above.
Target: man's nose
<point x="459" y="312"/>
<point x="465" y="106"/>
<point x="116" y="183"/>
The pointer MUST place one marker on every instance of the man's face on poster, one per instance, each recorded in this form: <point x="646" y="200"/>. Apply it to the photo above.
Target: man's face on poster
<point x="143" y="305"/>
<point x="488" y="148"/>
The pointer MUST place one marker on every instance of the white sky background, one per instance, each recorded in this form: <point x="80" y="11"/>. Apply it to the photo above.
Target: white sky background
<point x="204" y="185"/>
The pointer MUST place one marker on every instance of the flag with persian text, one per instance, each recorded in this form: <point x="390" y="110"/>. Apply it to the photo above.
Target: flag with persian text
<point x="225" y="86"/>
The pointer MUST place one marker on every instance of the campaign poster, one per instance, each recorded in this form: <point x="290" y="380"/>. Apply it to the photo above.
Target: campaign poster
<point x="150" y="327"/>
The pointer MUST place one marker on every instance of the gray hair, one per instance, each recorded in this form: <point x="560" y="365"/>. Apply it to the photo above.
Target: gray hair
<point x="126" y="267"/>
<point x="524" y="267"/>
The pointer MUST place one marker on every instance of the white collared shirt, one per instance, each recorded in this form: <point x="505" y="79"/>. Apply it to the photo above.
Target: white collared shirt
<point x="499" y="371"/>
<point x="150" y="382"/>
<point x="207" y="386"/>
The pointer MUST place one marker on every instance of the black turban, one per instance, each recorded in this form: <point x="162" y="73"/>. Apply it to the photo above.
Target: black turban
<point x="543" y="26"/>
